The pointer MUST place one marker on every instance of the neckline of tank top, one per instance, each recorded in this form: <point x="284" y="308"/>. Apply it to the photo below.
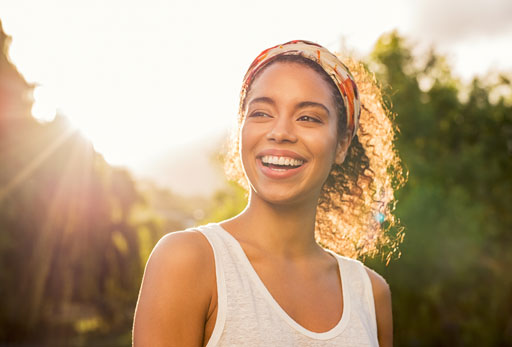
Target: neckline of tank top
<point x="326" y="335"/>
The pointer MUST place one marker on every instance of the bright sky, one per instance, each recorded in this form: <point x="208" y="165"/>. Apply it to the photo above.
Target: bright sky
<point x="142" y="77"/>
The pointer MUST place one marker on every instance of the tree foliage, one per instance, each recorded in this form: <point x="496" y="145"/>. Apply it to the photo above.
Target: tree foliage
<point x="451" y="286"/>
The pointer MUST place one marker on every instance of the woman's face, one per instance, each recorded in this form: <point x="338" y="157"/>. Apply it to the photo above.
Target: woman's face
<point x="289" y="136"/>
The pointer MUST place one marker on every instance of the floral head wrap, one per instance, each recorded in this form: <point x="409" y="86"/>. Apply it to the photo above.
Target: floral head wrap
<point x="338" y="72"/>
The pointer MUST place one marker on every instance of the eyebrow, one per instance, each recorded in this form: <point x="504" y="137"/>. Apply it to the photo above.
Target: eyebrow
<point x="264" y="99"/>
<point x="312" y="104"/>
<point x="267" y="100"/>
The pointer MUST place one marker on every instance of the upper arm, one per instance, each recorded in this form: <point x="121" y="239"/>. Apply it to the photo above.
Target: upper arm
<point x="382" y="299"/>
<point x="175" y="293"/>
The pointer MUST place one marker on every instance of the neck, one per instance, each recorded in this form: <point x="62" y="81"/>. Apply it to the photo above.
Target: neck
<point x="287" y="230"/>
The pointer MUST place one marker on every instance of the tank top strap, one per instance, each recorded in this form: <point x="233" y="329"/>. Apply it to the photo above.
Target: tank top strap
<point x="235" y="288"/>
<point x="368" y="296"/>
<point x="220" y="253"/>
<point x="361" y="288"/>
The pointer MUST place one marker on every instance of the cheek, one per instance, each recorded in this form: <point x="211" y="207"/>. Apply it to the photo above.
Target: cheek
<point x="250" y="134"/>
<point x="244" y="139"/>
<point x="247" y="139"/>
<point x="324" y="145"/>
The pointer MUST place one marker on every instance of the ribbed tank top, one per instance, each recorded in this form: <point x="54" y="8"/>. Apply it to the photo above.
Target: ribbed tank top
<point x="248" y="315"/>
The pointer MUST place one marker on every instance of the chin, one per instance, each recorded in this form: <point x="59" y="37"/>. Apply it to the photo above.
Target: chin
<point x="282" y="198"/>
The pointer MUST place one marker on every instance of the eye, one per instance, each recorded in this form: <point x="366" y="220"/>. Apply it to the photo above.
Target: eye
<point x="258" y="114"/>
<point x="309" y="119"/>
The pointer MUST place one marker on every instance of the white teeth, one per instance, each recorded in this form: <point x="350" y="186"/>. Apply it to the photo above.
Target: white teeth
<point x="270" y="159"/>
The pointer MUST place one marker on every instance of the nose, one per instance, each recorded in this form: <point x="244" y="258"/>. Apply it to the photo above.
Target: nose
<point x="282" y="131"/>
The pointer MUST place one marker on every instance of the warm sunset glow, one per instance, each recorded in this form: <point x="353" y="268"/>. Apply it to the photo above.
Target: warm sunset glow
<point x="45" y="104"/>
<point x="139" y="80"/>
<point x="114" y="128"/>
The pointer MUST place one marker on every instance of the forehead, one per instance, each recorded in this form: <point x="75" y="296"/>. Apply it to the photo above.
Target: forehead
<point x="290" y="80"/>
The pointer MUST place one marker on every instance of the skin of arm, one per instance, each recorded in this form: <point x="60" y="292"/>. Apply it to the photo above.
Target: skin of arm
<point x="176" y="292"/>
<point x="382" y="299"/>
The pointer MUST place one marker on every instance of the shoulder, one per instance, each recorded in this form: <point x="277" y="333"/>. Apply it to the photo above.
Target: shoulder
<point x="176" y="291"/>
<point x="380" y="287"/>
<point x="180" y="248"/>
<point x="182" y="262"/>
<point x="383" y="310"/>
<point x="381" y="297"/>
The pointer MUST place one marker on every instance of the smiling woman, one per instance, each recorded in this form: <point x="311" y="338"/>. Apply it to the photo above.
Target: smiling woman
<point x="288" y="102"/>
<point x="319" y="173"/>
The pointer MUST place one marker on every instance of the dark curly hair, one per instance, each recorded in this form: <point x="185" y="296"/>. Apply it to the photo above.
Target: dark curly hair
<point x="355" y="210"/>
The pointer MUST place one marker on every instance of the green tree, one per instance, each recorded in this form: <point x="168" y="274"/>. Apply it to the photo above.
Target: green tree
<point x="450" y="287"/>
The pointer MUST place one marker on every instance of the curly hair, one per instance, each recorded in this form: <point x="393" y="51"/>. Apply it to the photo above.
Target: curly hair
<point x="354" y="215"/>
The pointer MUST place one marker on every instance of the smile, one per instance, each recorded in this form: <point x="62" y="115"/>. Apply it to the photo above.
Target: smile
<point x="278" y="167"/>
<point x="281" y="163"/>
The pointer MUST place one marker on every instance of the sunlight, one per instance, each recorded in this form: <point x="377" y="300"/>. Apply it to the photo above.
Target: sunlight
<point x="45" y="104"/>
<point x="35" y="163"/>
<point x="63" y="211"/>
<point x="141" y="84"/>
<point x="112" y="119"/>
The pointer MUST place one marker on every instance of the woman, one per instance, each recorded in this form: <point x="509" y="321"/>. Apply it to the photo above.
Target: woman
<point x="318" y="175"/>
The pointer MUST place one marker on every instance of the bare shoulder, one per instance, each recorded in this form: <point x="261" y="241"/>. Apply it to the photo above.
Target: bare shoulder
<point x="183" y="255"/>
<point x="383" y="310"/>
<point x="176" y="292"/>
<point x="188" y="248"/>
<point x="379" y="285"/>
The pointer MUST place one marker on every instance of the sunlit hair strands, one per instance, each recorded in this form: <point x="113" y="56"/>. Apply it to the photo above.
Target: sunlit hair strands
<point x="355" y="211"/>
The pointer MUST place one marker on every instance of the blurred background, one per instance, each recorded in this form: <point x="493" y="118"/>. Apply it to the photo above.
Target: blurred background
<point x="113" y="117"/>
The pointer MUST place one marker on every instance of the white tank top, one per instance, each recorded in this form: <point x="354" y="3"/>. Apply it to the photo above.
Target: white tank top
<point x="248" y="315"/>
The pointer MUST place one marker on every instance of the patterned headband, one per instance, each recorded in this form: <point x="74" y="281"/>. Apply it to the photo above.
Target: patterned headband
<point x="338" y="72"/>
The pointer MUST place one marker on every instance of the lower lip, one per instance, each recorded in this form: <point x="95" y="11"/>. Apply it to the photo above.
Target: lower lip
<point x="279" y="174"/>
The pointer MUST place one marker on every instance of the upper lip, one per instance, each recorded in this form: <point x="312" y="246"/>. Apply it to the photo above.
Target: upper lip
<point x="280" y="153"/>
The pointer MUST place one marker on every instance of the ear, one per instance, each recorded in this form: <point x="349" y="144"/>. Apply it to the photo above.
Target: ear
<point x="341" y="150"/>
